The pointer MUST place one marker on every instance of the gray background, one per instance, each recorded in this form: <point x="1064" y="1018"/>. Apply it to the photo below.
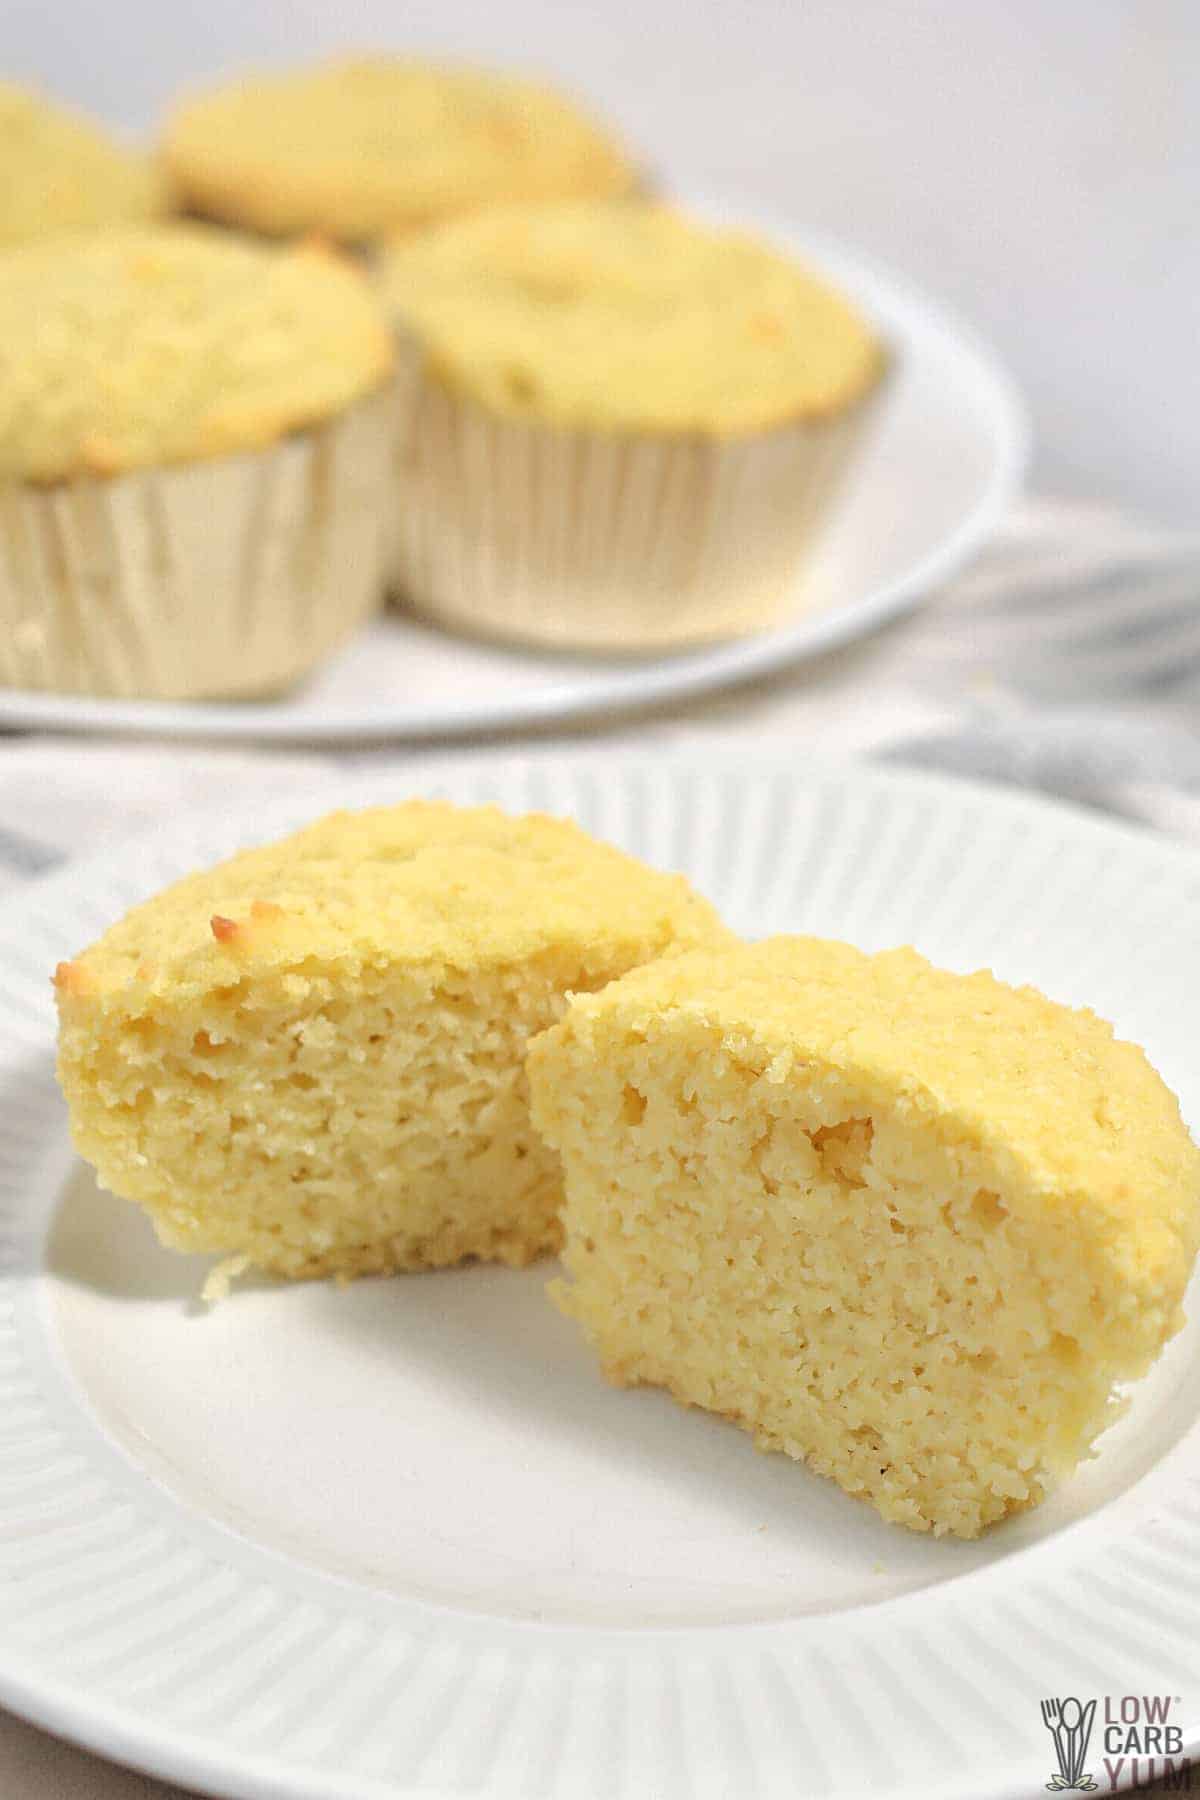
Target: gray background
<point x="1034" y="162"/>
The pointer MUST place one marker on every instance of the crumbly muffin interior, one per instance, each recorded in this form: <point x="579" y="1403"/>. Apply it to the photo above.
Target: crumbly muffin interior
<point x="312" y="1057"/>
<point x="335" y="1119"/>
<point x="854" y="1274"/>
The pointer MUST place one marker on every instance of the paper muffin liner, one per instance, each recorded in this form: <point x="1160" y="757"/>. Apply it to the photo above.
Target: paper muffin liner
<point x="596" y="540"/>
<point x="206" y="580"/>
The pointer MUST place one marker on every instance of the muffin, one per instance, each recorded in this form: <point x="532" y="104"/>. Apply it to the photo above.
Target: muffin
<point x="619" y="428"/>
<point x="196" y="441"/>
<point x="907" y="1227"/>
<point x="362" y="148"/>
<point x="311" y="1057"/>
<point x="59" y="172"/>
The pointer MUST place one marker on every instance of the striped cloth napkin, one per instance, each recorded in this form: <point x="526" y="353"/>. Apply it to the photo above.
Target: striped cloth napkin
<point x="1067" y="658"/>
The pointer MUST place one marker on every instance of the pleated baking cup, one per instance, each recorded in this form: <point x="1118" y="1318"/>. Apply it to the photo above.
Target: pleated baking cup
<point x="602" y="541"/>
<point x="210" y="580"/>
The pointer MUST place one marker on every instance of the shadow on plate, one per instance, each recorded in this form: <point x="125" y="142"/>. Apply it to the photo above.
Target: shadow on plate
<point x="108" y="1246"/>
<point x="486" y="1341"/>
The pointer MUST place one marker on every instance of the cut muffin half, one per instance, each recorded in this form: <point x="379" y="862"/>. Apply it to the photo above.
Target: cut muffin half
<point x="311" y="1057"/>
<point x="907" y="1226"/>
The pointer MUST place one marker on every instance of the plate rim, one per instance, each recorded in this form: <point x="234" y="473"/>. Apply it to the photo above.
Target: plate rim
<point x="629" y="688"/>
<point x="115" y="1729"/>
<point x="772" y="753"/>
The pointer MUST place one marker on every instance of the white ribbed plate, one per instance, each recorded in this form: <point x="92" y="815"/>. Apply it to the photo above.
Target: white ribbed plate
<point x="401" y="1540"/>
<point x="943" y="465"/>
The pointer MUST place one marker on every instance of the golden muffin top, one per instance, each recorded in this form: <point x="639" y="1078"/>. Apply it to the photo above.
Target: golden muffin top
<point x="1076" y="1116"/>
<point x="427" y="882"/>
<point x="628" y="317"/>
<point x="160" y="345"/>
<point x="364" y="146"/>
<point x="59" y="172"/>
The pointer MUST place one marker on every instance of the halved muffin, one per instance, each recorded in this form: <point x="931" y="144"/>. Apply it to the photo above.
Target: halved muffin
<point x="312" y="1057"/>
<point x="907" y="1226"/>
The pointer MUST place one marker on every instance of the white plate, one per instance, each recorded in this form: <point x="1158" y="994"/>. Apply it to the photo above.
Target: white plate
<point x="402" y="1539"/>
<point x="943" y="466"/>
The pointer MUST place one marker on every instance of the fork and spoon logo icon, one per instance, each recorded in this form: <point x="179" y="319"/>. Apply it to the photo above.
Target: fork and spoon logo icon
<point x="1070" y="1725"/>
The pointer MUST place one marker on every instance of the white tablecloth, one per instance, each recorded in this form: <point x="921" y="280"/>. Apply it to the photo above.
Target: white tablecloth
<point x="1067" y="658"/>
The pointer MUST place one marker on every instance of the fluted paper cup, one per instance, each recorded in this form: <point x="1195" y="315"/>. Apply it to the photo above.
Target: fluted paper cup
<point x="597" y="540"/>
<point x="213" y="579"/>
